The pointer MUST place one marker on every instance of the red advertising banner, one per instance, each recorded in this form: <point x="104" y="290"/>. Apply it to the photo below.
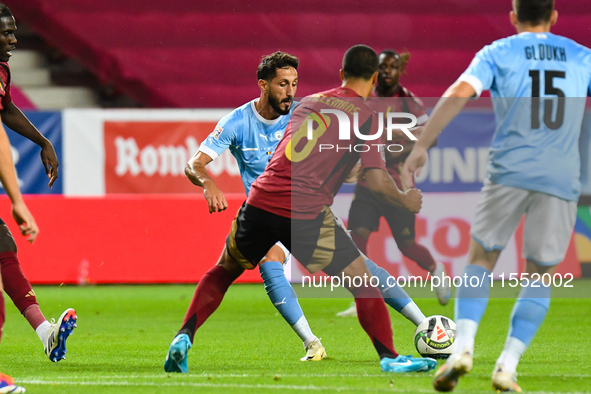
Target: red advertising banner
<point x="150" y="157"/>
<point x="123" y="239"/>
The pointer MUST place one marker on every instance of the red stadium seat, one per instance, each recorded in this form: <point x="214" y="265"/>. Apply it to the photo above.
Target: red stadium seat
<point x="204" y="54"/>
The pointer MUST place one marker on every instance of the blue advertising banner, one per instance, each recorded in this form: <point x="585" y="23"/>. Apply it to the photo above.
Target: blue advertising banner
<point x="459" y="161"/>
<point x="26" y="154"/>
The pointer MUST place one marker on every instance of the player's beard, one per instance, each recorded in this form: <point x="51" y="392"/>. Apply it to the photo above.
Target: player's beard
<point x="276" y="104"/>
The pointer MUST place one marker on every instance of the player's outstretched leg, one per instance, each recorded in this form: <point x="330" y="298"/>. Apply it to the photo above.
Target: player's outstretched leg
<point x="285" y="300"/>
<point x="53" y="335"/>
<point x="471" y="302"/>
<point x="394" y="296"/>
<point x="208" y="296"/>
<point x="527" y="316"/>
<point x="375" y="320"/>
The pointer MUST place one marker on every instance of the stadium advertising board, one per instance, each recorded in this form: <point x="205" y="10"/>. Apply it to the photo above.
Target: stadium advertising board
<point x="87" y="179"/>
<point x="25" y="154"/>
<point x="443" y="226"/>
<point x="135" y="151"/>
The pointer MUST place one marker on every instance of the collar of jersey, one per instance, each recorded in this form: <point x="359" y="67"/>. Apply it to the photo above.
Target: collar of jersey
<point x="259" y="117"/>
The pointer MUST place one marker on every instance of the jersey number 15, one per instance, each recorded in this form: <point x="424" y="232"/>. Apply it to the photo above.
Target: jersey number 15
<point x="548" y="103"/>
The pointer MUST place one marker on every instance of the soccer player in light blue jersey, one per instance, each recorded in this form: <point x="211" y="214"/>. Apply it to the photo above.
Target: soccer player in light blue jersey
<point x="252" y="133"/>
<point x="538" y="82"/>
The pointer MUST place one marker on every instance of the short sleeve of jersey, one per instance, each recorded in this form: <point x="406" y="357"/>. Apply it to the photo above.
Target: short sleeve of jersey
<point x="480" y="73"/>
<point x="6" y="96"/>
<point x="221" y="138"/>
<point x="7" y="99"/>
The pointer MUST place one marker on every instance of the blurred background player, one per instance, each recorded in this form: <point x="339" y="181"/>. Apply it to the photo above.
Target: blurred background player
<point x="16" y="285"/>
<point x="252" y="133"/>
<point x="290" y="202"/>
<point x="534" y="169"/>
<point x="366" y="210"/>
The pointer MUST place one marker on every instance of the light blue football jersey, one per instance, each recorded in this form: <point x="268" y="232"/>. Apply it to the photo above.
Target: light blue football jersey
<point x="536" y="142"/>
<point x="251" y="138"/>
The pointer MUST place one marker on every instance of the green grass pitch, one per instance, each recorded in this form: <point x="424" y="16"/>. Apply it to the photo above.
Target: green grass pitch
<point x="124" y="332"/>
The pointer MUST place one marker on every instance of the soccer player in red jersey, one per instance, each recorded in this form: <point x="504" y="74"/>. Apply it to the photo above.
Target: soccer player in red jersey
<point x="15" y="284"/>
<point x="290" y="202"/>
<point x="366" y="210"/>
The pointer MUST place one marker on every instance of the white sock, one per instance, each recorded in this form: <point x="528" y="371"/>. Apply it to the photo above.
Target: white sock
<point x="511" y="354"/>
<point x="42" y="330"/>
<point x="465" y="333"/>
<point x="302" y="328"/>
<point x="412" y="312"/>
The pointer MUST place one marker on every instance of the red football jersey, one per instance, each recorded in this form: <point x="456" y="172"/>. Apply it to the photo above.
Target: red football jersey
<point x="401" y="101"/>
<point x="305" y="174"/>
<point x="5" y="97"/>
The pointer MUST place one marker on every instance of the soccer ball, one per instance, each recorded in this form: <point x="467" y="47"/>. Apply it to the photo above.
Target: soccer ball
<point x="435" y="337"/>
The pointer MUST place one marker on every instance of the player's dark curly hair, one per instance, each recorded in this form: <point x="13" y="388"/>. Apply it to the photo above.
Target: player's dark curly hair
<point x="271" y="63"/>
<point x="403" y="57"/>
<point x="534" y="12"/>
<point x="360" y="61"/>
<point x="5" y="11"/>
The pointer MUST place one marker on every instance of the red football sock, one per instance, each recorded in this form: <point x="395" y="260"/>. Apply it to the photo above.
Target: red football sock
<point x="34" y="315"/>
<point x="19" y="289"/>
<point x="360" y="241"/>
<point x="208" y="296"/>
<point x="375" y="320"/>
<point x="420" y="255"/>
<point x="2" y="312"/>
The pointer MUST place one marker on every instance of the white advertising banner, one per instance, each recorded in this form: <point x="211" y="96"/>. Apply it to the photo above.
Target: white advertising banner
<point x="442" y="226"/>
<point x="138" y="151"/>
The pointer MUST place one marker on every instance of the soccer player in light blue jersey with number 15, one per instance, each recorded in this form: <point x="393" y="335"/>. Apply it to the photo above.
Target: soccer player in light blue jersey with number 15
<point x="539" y="83"/>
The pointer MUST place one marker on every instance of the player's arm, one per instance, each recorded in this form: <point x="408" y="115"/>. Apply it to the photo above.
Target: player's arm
<point x="20" y="212"/>
<point x="354" y="174"/>
<point x="407" y="146"/>
<point x="381" y="184"/>
<point x="17" y="121"/>
<point x="448" y="107"/>
<point x="197" y="174"/>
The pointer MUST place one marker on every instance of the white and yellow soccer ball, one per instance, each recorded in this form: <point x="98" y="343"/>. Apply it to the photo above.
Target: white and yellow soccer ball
<point x="435" y="337"/>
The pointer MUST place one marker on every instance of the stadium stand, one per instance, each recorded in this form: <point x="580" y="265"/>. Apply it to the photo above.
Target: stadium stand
<point x="197" y="52"/>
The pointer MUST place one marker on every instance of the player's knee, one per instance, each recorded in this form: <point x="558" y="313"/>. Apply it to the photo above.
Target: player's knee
<point x="7" y="243"/>
<point x="274" y="254"/>
<point x="532" y="267"/>
<point x="361" y="232"/>
<point x="404" y="244"/>
<point x="229" y="264"/>
<point x="357" y="269"/>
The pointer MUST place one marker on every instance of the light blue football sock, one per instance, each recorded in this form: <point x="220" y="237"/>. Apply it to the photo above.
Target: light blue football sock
<point x="472" y="296"/>
<point x="285" y="299"/>
<point x="470" y="305"/>
<point x="527" y="316"/>
<point x="394" y="295"/>
<point x="529" y="312"/>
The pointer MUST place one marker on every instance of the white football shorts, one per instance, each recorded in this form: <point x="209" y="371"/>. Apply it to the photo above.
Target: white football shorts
<point x="549" y="221"/>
